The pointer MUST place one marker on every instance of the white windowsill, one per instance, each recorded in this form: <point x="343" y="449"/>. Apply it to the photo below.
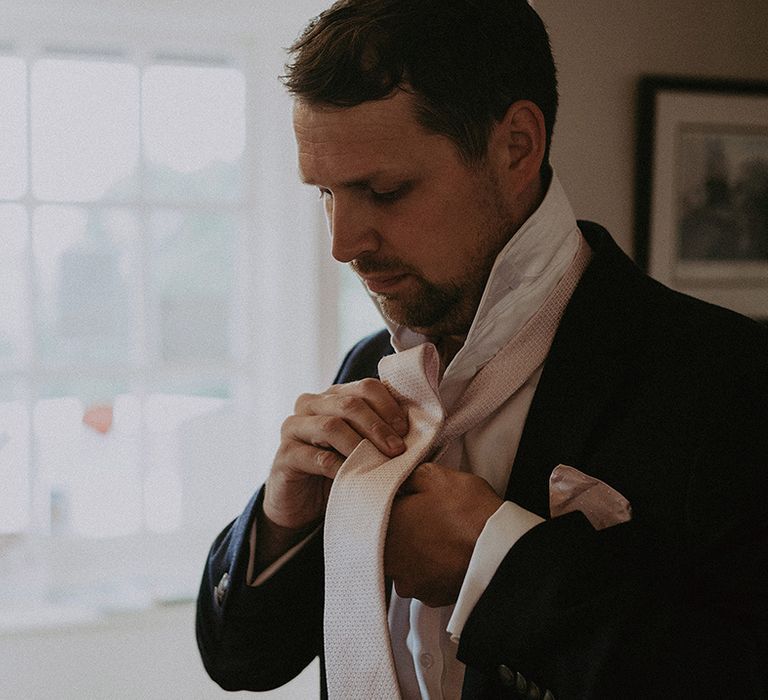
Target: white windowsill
<point x="45" y="617"/>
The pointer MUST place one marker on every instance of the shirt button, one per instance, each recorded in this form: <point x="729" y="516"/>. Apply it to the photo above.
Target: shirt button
<point x="426" y="660"/>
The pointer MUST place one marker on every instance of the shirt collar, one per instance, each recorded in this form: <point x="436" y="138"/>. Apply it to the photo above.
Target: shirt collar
<point x="525" y="271"/>
<point x="533" y="247"/>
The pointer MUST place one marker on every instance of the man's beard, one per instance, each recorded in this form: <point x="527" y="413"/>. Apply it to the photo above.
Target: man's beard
<point x="429" y="308"/>
<point x="450" y="307"/>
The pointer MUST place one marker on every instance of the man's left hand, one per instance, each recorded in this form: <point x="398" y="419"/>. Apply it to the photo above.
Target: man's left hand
<point x="436" y="519"/>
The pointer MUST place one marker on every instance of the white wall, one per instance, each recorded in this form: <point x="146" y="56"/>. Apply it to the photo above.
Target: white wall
<point x="601" y="47"/>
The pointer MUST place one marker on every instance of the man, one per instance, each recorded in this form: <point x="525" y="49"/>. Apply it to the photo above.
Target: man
<point x="426" y="127"/>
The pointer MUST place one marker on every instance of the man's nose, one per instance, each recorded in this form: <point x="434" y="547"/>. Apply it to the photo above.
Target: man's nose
<point x="353" y="232"/>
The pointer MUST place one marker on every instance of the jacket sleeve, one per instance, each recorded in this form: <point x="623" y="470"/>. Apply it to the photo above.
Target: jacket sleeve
<point x="639" y="610"/>
<point x="258" y="638"/>
<point x="261" y="637"/>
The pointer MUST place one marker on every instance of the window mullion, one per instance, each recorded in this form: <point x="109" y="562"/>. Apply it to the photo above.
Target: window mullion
<point x="145" y="327"/>
<point x="39" y="502"/>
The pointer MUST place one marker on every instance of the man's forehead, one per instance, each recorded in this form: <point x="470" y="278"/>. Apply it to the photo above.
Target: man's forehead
<point x="320" y="126"/>
<point x="355" y="145"/>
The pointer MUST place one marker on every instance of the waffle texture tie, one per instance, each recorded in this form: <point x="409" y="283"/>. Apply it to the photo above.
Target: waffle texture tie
<point x="358" y="653"/>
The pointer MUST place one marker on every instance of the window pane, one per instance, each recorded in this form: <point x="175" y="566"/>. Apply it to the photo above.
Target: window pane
<point x="180" y="420"/>
<point x="15" y="328"/>
<point x="194" y="131"/>
<point x="84" y="261"/>
<point x="89" y="470"/>
<point x="13" y="128"/>
<point x="85" y="129"/>
<point x="192" y="259"/>
<point x="14" y="459"/>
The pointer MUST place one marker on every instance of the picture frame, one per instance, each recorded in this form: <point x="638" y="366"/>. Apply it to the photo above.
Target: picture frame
<point x="701" y="223"/>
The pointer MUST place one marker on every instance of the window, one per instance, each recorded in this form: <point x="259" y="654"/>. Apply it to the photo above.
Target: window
<point x="165" y="294"/>
<point x="121" y="195"/>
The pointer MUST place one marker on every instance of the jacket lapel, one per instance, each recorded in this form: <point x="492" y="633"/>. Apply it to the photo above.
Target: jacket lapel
<point x="581" y="373"/>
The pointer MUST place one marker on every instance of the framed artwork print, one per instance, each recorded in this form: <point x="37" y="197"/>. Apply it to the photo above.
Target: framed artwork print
<point x="702" y="189"/>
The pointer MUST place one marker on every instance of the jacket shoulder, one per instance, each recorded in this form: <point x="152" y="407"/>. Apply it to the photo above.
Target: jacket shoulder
<point x="363" y="359"/>
<point x="655" y="317"/>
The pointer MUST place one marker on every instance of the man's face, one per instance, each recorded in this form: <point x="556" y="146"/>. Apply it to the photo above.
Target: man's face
<point x="419" y="226"/>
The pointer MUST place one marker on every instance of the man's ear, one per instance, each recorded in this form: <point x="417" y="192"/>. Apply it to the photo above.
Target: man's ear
<point x="518" y="143"/>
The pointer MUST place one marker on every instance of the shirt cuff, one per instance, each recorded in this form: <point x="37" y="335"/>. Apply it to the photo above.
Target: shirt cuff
<point x="505" y="527"/>
<point x="275" y="565"/>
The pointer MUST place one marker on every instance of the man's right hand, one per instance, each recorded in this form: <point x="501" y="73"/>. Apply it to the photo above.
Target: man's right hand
<point x="316" y="440"/>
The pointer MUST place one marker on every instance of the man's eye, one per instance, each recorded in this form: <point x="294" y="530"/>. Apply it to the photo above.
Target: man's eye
<point x="389" y="195"/>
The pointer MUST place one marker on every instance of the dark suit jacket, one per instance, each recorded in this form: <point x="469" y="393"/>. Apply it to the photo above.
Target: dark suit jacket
<point x="666" y="399"/>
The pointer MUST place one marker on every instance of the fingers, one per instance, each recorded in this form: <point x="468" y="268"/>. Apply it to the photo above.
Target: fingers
<point x="328" y="432"/>
<point x="433" y="529"/>
<point x="366" y="407"/>
<point x="412" y="568"/>
<point x="380" y="400"/>
<point x="308" y="460"/>
<point x="316" y="440"/>
<point x="421" y="478"/>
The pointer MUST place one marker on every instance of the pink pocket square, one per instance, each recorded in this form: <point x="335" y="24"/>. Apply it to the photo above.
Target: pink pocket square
<point x="570" y="489"/>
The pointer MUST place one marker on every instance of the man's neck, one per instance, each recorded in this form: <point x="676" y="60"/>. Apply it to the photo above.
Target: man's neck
<point x="447" y="347"/>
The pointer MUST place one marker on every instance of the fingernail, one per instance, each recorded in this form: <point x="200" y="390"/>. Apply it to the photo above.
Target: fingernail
<point x="395" y="443"/>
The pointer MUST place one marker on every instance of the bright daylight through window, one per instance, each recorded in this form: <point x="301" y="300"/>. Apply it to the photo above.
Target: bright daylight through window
<point x="121" y="215"/>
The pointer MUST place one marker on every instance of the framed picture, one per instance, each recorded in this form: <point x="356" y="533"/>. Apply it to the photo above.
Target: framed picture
<point x="702" y="189"/>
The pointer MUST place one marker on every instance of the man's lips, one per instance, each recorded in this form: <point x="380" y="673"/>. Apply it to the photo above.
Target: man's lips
<point x="381" y="284"/>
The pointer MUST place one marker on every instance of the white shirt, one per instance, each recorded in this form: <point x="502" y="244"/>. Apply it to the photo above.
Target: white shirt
<point x="424" y="640"/>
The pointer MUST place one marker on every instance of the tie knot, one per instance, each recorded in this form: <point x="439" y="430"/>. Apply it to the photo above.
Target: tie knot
<point x="412" y="376"/>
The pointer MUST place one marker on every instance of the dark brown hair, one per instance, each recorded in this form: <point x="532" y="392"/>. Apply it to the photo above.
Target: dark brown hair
<point x="465" y="61"/>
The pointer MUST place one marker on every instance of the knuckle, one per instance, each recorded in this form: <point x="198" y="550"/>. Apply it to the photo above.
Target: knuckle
<point x="281" y="462"/>
<point x="286" y="427"/>
<point x="350" y="404"/>
<point x="369" y="384"/>
<point x="330" y="424"/>
<point x="379" y="428"/>
<point x="429" y="469"/>
<point x="301" y="402"/>
<point x="326" y="461"/>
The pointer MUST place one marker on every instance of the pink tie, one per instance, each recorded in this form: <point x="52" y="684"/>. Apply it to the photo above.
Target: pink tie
<point x="358" y="654"/>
